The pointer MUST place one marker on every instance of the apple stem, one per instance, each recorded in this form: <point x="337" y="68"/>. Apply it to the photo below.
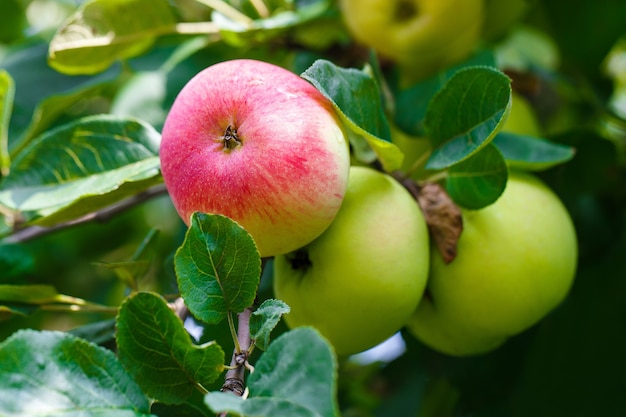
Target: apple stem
<point x="419" y="162"/>
<point x="231" y="139"/>
<point x="436" y="177"/>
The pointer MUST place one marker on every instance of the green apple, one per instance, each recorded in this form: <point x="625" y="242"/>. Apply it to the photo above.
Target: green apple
<point x="421" y="36"/>
<point x="360" y="281"/>
<point x="522" y="118"/>
<point x="516" y="262"/>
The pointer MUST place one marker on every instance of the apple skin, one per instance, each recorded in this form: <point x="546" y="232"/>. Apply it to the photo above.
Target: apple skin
<point x="421" y="36"/>
<point x="516" y="262"/>
<point x="284" y="181"/>
<point x="522" y="118"/>
<point x="360" y="281"/>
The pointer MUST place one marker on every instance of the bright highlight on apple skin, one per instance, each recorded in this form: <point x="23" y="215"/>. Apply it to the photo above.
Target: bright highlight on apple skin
<point x="259" y="144"/>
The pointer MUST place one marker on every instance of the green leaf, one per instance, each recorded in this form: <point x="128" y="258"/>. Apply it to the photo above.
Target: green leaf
<point x="101" y="32"/>
<point x="56" y="374"/>
<point x="464" y="116"/>
<point x="218" y="267"/>
<point x="99" y="332"/>
<point x="81" y="167"/>
<point x="30" y="294"/>
<point x="243" y="32"/>
<point x="478" y="181"/>
<point x="132" y="270"/>
<point x="356" y="97"/>
<point x="531" y="153"/>
<point x="264" y="319"/>
<point x="43" y="95"/>
<point x="295" y="377"/>
<point x="157" y="350"/>
<point x="25" y="299"/>
<point x="7" y="95"/>
<point x="411" y="103"/>
<point x="257" y="406"/>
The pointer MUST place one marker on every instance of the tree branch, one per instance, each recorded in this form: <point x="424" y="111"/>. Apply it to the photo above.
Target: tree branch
<point x="234" y="380"/>
<point x="101" y="216"/>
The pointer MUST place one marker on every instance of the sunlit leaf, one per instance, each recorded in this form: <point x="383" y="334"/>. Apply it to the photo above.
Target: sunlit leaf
<point x="478" y="181"/>
<point x="295" y="377"/>
<point x="356" y="97"/>
<point x="246" y="31"/>
<point x="81" y="167"/>
<point x="7" y="94"/>
<point x="264" y="319"/>
<point x="43" y="94"/>
<point x="57" y="374"/>
<point x="218" y="267"/>
<point x="531" y="153"/>
<point x="101" y="32"/>
<point x="26" y="299"/>
<point x="464" y="116"/>
<point x="149" y="333"/>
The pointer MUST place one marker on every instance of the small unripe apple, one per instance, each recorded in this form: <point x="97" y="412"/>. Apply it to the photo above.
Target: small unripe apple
<point x="421" y="36"/>
<point x="515" y="263"/>
<point x="360" y="281"/>
<point x="257" y="143"/>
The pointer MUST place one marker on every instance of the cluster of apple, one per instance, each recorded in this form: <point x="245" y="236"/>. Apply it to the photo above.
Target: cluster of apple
<point x="422" y="37"/>
<point x="351" y="247"/>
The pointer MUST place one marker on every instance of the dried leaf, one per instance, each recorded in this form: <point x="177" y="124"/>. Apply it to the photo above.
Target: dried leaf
<point x="443" y="218"/>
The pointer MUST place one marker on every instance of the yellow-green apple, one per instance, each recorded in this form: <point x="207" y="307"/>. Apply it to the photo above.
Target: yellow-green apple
<point x="522" y="118"/>
<point x="421" y="36"/>
<point x="257" y="143"/>
<point x="515" y="263"/>
<point x="360" y="281"/>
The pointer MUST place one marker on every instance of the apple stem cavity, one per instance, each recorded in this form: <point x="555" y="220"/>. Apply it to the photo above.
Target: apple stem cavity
<point x="405" y="11"/>
<point x="299" y="260"/>
<point x="231" y="139"/>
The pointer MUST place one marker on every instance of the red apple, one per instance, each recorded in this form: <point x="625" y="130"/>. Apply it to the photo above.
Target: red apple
<point x="257" y="143"/>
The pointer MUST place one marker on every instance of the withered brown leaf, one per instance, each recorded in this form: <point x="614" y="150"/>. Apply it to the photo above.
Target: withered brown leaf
<point x="443" y="218"/>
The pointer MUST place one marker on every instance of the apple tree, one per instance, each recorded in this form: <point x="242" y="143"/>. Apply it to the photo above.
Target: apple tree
<point x="312" y="208"/>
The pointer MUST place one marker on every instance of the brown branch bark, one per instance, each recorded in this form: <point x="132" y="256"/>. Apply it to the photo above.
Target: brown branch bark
<point x="102" y="216"/>
<point x="235" y="379"/>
